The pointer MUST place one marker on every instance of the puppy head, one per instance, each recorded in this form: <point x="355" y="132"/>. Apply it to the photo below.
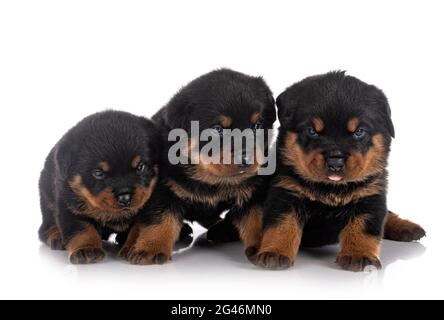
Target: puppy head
<point x="334" y="128"/>
<point x="223" y="99"/>
<point x="111" y="161"/>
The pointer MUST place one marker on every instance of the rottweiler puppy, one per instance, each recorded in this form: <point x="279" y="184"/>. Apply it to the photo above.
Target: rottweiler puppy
<point x="95" y="181"/>
<point x="202" y="190"/>
<point x="331" y="179"/>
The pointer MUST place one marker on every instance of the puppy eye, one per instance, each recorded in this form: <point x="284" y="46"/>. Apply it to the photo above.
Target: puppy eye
<point x="359" y="133"/>
<point x="219" y="129"/>
<point x="258" y="125"/>
<point x="98" y="174"/>
<point x="312" y="132"/>
<point x="141" y="168"/>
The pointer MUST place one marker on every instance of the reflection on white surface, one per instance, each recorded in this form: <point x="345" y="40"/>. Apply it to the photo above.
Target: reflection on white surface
<point x="220" y="272"/>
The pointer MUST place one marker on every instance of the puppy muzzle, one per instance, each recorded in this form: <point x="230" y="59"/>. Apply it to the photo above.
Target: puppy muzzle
<point x="124" y="198"/>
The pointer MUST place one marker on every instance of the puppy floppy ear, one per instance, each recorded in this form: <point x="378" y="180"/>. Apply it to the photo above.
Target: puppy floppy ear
<point x="178" y="115"/>
<point x="284" y="114"/>
<point x="63" y="159"/>
<point x="386" y="112"/>
<point x="269" y="111"/>
<point x="389" y="122"/>
<point x="156" y="133"/>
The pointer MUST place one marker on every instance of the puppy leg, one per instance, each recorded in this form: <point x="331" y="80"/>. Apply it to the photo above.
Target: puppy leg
<point x="81" y="238"/>
<point x="129" y="241"/>
<point x="250" y="230"/>
<point x="51" y="236"/>
<point x="280" y="243"/>
<point x="398" y="229"/>
<point x="54" y="238"/>
<point x="49" y="233"/>
<point x="152" y="243"/>
<point x="85" y="246"/>
<point x="359" y="249"/>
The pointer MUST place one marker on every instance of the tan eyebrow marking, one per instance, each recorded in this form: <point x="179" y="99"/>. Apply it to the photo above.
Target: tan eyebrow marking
<point x="136" y="161"/>
<point x="255" y="117"/>
<point x="318" y="124"/>
<point x="352" y="124"/>
<point x="225" y="121"/>
<point x="104" y="166"/>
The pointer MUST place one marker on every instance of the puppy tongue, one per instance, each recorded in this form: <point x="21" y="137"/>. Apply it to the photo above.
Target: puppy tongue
<point x="335" y="178"/>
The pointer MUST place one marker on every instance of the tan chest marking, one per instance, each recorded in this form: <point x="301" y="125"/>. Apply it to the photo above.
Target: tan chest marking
<point x="239" y="194"/>
<point x="334" y="200"/>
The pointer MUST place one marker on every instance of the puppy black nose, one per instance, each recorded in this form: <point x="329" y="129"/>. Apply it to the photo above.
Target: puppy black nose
<point x="124" y="199"/>
<point x="336" y="164"/>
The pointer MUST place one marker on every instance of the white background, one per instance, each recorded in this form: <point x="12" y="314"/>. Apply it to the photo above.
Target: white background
<point x="60" y="61"/>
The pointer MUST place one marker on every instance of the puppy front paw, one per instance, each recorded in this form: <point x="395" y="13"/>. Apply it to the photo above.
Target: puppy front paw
<point x="124" y="252"/>
<point x="357" y="263"/>
<point x="272" y="260"/>
<point x="54" y="239"/>
<point x="251" y="252"/>
<point x="87" y="256"/>
<point x="146" y="257"/>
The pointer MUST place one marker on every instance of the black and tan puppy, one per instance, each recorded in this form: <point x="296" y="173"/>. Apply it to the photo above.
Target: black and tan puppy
<point x="331" y="179"/>
<point x="96" y="179"/>
<point x="202" y="191"/>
